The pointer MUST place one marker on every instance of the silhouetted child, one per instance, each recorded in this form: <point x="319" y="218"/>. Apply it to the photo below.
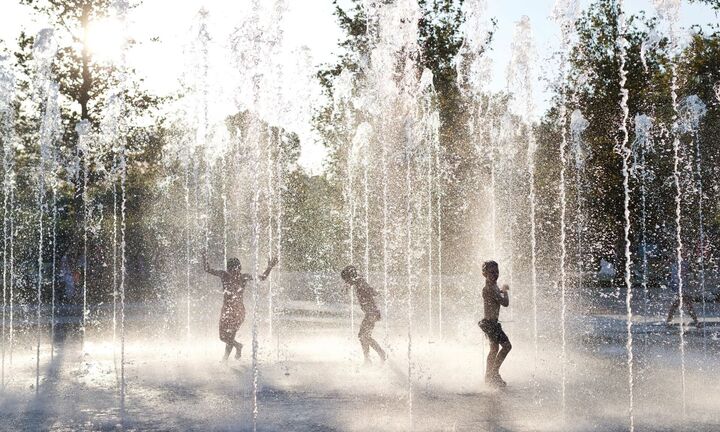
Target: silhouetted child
<point x="365" y="295"/>
<point x="232" y="313"/>
<point x="493" y="298"/>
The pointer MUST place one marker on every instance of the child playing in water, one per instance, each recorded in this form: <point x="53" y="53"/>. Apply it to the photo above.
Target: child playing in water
<point x="493" y="298"/>
<point x="232" y="313"/>
<point x="365" y="294"/>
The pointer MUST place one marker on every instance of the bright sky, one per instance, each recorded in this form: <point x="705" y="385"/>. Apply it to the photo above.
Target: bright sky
<point x="307" y="23"/>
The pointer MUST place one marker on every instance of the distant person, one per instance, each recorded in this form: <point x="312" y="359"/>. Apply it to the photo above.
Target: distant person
<point x="493" y="298"/>
<point x="365" y="295"/>
<point x="687" y="297"/>
<point x="232" y="313"/>
<point x="71" y="276"/>
<point x="688" y="304"/>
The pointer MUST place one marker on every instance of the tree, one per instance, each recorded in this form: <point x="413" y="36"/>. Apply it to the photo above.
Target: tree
<point x="85" y="86"/>
<point x="439" y="42"/>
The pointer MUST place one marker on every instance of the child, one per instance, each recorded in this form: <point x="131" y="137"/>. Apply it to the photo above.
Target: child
<point x="493" y="298"/>
<point x="365" y="294"/>
<point x="232" y="313"/>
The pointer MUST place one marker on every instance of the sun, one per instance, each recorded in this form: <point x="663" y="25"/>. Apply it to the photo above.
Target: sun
<point x="105" y="39"/>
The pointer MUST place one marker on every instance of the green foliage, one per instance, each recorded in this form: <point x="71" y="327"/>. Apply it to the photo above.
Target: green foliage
<point x="315" y="231"/>
<point x="715" y="4"/>
<point x="439" y="40"/>
<point x="593" y="87"/>
<point x="85" y="85"/>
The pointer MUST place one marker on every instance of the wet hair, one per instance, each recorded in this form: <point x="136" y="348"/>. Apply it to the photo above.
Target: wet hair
<point x="487" y="265"/>
<point x="233" y="264"/>
<point x="349" y="273"/>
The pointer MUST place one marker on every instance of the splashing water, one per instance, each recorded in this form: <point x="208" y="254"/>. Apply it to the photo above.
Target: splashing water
<point x="255" y="273"/>
<point x="564" y="12"/>
<point x="342" y="95"/>
<point x="642" y="146"/>
<point x="439" y="194"/>
<point x="563" y="257"/>
<point x="578" y="124"/>
<point x="7" y="134"/>
<point x="669" y="10"/>
<point x="82" y="128"/>
<point x="44" y="51"/>
<point x="651" y="42"/>
<point x="519" y="72"/>
<point x="114" y="130"/>
<point x="623" y="149"/>
<point x="692" y="111"/>
<point x="473" y="68"/>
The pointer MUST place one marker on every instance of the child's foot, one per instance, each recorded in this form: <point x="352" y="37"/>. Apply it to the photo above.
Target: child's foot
<point x="489" y="380"/>
<point x="495" y="381"/>
<point x="383" y="356"/>
<point x="238" y="351"/>
<point x="499" y="381"/>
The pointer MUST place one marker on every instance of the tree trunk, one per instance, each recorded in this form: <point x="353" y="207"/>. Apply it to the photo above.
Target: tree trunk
<point x="84" y="94"/>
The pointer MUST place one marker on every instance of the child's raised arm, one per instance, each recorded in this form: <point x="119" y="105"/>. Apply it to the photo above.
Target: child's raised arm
<point x="207" y="268"/>
<point x="273" y="261"/>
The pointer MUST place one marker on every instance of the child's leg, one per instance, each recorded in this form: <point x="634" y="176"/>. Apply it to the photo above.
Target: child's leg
<point x="673" y="308"/>
<point x="492" y="354"/>
<point x="506" y="347"/>
<point x="688" y="303"/>
<point x="227" y="335"/>
<point x="365" y="345"/>
<point x="228" y="350"/>
<point x="239" y="320"/>
<point x="378" y="349"/>
<point x="364" y="336"/>
<point x="371" y="341"/>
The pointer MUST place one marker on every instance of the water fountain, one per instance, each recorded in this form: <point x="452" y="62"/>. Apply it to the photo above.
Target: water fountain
<point x="7" y="119"/>
<point x="578" y="124"/>
<point x="566" y="29"/>
<point x="623" y="149"/>
<point x="519" y="73"/>
<point x="44" y="51"/>
<point x="668" y="10"/>
<point x="642" y="146"/>
<point x="84" y="145"/>
<point x="226" y="181"/>
<point x="473" y="75"/>
<point x="252" y="44"/>
<point x="115" y="292"/>
<point x="692" y="111"/>
<point x="431" y="121"/>
<point x="342" y="96"/>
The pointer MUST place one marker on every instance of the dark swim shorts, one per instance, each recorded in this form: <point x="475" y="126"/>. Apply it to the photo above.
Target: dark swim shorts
<point x="494" y="331"/>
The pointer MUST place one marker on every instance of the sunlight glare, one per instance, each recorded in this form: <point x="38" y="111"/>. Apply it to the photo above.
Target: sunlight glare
<point x="105" y="39"/>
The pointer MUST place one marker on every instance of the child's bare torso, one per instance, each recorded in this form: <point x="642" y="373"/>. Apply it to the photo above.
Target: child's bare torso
<point x="493" y="298"/>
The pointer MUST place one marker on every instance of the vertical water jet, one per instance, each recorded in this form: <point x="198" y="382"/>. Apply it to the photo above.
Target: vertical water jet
<point x="668" y="10"/>
<point x="7" y="135"/>
<point x="44" y="52"/>
<point x="623" y="149"/>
